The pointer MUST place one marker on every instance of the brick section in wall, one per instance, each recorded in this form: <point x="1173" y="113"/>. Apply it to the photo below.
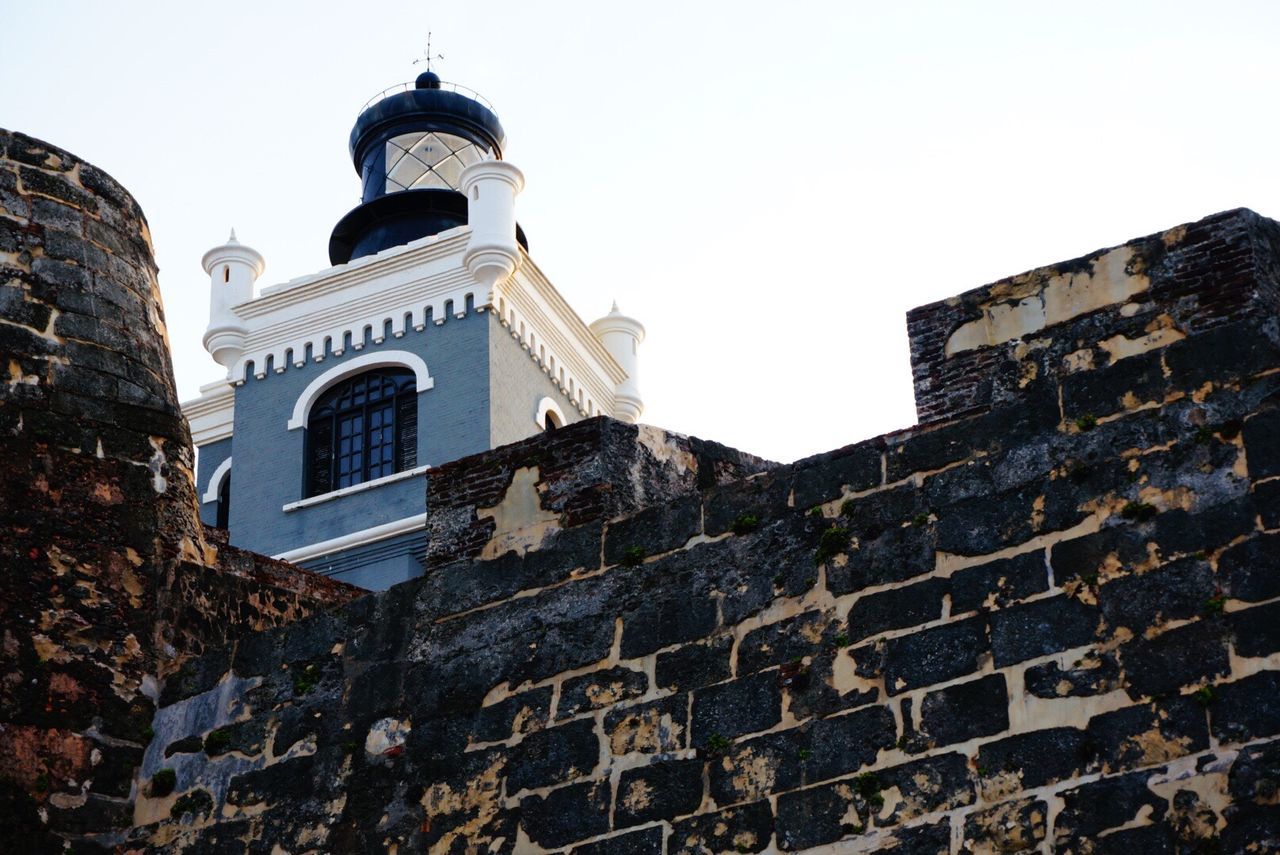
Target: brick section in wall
<point x="1017" y="630"/>
<point x="980" y="349"/>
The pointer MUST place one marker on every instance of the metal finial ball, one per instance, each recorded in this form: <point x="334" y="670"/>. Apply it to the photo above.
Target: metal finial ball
<point x="427" y="80"/>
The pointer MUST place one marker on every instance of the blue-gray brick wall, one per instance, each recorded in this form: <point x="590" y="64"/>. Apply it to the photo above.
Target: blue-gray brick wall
<point x="453" y="421"/>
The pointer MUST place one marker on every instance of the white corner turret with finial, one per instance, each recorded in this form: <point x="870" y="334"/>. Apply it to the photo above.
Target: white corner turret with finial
<point x="493" y="254"/>
<point x="233" y="269"/>
<point x="621" y="336"/>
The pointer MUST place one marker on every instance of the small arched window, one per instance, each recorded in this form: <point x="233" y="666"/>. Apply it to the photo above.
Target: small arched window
<point x="224" y="503"/>
<point x="364" y="428"/>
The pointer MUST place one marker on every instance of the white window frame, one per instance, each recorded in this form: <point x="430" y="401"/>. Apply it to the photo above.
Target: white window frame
<point x="547" y="405"/>
<point x="357" y="365"/>
<point x="215" y="481"/>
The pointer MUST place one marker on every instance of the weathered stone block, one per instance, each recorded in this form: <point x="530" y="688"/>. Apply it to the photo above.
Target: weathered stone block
<point x="554" y="755"/>
<point x="462" y="585"/>
<point x="1126" y="384"/>
<point x="663" y="790"/>
<point x="1246" y="709"/>
<point x="1187" y="533"/>
<point x="819" y="815"/>
<point x="934" y="655"/>
<point x="1016" y="826"/>
<point x="196" y="675"/>
<point x="1228" y="353"/>
<point x="1251" y="570"/>
<point x="746" y="705"/>
<point x="1257" y="630"/>
<point x="694" y="665"/>
<point x="745" y="828"/>
<point x="998" y="583"/>
<point x="1176" y="591"/>
<point x="1092" y="674"/>
<point x="647" y="841"/>
<point x="1177" y="658"/>
<point x="654" y="531"/>
<point x="288" y="779"/>
<point x="1041" y="627"/>
<point x="656" y="727"/>
<point x="785" y="641"/>
<point x="965" y="710"/>
<point x="1267" y="500"/>
<point x="522" y="713"/>
<point x="897" y="608"/>
<point x="570" y="813"/>
<point x="1147" y="734"/>
<point x="600" y="689"/>
<point x="989" y="523"/>
<point x="892" y="555"/>
<point x="668" y="616"/>
<point x="1036" y="758"/>
<point x="827" y="476"/>
<point x="1093" y="808"/>
<point x="926" y="839"/>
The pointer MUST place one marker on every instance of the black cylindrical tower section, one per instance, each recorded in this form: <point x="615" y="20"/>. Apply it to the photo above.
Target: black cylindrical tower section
<point x="410" y="149"/>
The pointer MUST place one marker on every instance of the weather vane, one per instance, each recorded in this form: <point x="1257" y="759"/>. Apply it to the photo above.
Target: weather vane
<point x="427" y="57"/>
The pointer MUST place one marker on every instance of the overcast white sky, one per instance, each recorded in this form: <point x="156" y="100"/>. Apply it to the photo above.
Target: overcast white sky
<point x="769" y="187"/>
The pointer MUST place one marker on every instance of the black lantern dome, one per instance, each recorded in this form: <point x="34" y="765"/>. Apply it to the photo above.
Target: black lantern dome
<point x="410" y="148"/>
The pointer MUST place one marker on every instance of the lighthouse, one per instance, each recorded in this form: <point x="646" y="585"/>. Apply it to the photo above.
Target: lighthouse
<point x="433" y="335"/>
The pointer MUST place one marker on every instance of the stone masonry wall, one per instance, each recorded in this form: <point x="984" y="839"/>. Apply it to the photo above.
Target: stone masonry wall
<point x="107" y="579"/>
<point x="1052" y="624"/>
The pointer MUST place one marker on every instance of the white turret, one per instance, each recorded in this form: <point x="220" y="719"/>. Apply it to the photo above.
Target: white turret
<point x="232" y="268"/>
<point x="492" y="254"/>
<point x="621" y="336"/>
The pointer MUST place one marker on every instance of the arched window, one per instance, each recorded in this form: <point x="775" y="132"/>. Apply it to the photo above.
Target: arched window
<point x="365" y="427"/>
<point x="549" y="416"/>
<point x="224" y="503"/>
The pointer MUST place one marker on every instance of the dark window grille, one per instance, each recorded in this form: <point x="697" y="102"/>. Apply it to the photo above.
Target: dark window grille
<point x="363" y="428"/>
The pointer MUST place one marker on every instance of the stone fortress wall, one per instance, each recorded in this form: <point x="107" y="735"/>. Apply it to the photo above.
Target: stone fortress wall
<point x="107" y="578"/>
<point x="1045" y="619"/>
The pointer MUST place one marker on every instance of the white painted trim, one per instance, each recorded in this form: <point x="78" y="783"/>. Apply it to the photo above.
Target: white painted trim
<point x="215" y="481"/>
<point x="354" y="488"/>
<point x="528" y="305"/>
<point x="356" y="538"/>
<point x="212" y="415"/>
<point x="397" y="288"/>
<point x="546" y="405"/>
<point x="357" y="365"/>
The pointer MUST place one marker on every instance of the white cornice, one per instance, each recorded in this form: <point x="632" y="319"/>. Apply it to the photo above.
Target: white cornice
<point x="399" y="288"/>
<point x="342" y="276"/>
<point x="560" y="308"/>
<point x="212" y="414"/>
